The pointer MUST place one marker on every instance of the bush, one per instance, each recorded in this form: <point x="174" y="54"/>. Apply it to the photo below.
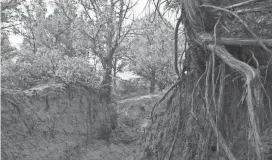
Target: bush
<point x="27" y="70"/>
<point x="128" y="87"/>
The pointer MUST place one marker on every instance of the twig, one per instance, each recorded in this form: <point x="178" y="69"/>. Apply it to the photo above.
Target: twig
<point x="157" y="9"/>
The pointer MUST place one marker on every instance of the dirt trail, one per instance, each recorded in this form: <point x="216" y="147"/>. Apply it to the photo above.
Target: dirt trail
<point x="137" y="98"/>
<point x="132" y="120"/>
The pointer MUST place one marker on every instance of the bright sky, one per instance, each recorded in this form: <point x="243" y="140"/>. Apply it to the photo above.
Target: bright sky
<point x="127" y="75"/>
<point x="16" y="40"/>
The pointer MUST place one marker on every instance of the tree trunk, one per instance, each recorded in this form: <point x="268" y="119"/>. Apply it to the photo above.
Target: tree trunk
<point x="107" y="79"/>
<point x="152" y="81"/>
<point x="114" y="71"/>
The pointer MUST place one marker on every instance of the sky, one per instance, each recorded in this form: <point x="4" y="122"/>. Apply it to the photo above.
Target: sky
<point x="127" y="75"/>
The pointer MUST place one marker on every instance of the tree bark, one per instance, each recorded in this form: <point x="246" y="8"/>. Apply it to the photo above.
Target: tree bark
<point x="107" y="79"/>
<point x="153" y="81"/>
<point x="114" y="71"/>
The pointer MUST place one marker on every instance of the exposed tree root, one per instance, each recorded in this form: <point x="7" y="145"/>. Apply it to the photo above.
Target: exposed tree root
<point x="241" y="4"/>
<point x="210" y="118"/>
<point x="244" y="23"/>
<point x="177" y="131"/>
<point x="236" y="41"/>
<point x="164" y="96"/>
<point x="225" y="112"/>
<point x="251" y="82"/>
<point x="220" y="101"/>
<point x="176" y="46"/>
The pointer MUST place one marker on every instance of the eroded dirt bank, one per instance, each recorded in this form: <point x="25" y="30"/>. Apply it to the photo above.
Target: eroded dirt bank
<point x="60" y="122"/>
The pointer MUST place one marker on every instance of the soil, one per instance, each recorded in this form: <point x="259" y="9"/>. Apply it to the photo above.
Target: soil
<point x="133" y="120"/>
<point x="53" y="127"/>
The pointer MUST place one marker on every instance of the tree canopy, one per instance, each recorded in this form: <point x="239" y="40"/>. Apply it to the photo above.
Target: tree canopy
<point x="152" y="51"/>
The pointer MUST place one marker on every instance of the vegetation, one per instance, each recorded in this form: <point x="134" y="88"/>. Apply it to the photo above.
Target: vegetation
<point x="221" y="104"/>
<point x="151" y="51"/>
<point x="215" y="62"/>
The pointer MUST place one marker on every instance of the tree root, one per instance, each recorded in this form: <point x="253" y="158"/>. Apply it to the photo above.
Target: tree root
<point x="164" y="96"/>
<point x="210" y="118"/>
<point x="244" y="23"/>
<point x="251" y="83"/>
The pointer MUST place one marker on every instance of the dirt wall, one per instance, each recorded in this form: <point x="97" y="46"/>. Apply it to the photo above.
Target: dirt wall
<point x="45" y="121"/>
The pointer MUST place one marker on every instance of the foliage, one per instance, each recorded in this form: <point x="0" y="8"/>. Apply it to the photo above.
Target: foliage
<point x="50" y="50"/>
<point x="7" y="26"/>
<point x="152" y="50"/>
<point x="28" y="70"/>
<point x="6" y="48"/>
<point x="128" y="87"/>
